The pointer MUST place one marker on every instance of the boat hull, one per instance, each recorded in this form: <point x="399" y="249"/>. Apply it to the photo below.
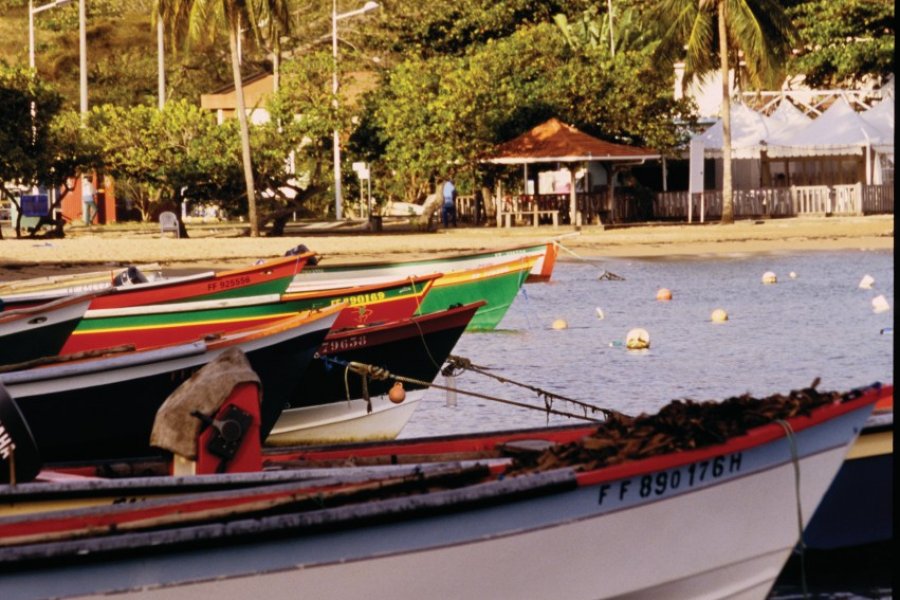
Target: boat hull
<point x="39" y="331"/>
<point x="345" y="422"/>
<point x="858" y="508"/>
<point x="415" y="349"/>
<point x="154" y="325"/>
<point x="542" y="269"/>
<point x="497" y="285"/>
<point x="718" y="522"/>
<point x="105" y="408"/>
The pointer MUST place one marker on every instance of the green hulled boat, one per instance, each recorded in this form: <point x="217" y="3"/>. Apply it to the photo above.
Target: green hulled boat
<point x="496" y="284"/>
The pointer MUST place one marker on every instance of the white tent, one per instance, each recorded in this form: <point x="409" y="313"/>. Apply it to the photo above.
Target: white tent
<point x="748" y="129"/>
<point x="787" y="119"/>
<point x="881" y="116"/>
<point x="840" y="130"/>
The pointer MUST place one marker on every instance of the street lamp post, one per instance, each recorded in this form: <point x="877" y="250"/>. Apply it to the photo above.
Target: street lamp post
<point x="335" y="17"/>
<point x="31" y="12"/>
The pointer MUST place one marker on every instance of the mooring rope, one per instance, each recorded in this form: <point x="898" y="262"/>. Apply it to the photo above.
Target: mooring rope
<point x="380" y="373"/>
<point x="607" y="275"/>
<point x="795" y="459"/>
<point x="457" y="364"/>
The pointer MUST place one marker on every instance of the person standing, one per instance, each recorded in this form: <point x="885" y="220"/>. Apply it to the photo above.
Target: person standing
<point x="448" y="207"/>
<point x="88" y="200"/>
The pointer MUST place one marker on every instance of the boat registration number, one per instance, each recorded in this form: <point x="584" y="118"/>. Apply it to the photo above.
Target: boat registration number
<point x="227" y="284"/>
<point x="657" y="484"/>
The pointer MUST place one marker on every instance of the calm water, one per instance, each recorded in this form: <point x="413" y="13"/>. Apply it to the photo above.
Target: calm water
<point x="778" y="337"/>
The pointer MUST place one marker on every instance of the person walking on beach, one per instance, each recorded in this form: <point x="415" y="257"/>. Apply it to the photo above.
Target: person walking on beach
<point x="88" y="200"/>
<point x="448" y="207"/>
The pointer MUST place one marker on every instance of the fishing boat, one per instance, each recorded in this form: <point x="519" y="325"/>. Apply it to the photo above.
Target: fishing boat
<point x="77" y="283"/>
<point x="347" y="389"/>
<point x="93" y="407"/>
<point x="148" y="325"/>
<point x="624" y="509"/>
<point x="30" y="333"/>
<point x="542" y="269"/>
<point x="266" y="277"/>
<point x="497" y="284"/>
<point x="858" y="509"/>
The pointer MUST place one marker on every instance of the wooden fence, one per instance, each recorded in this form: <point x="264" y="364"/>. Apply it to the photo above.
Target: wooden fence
<point x="855" y="199"/>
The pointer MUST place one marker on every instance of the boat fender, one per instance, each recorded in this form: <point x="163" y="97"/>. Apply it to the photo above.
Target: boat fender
<point x="397" y="394"/>
<point x="19" y="457"/>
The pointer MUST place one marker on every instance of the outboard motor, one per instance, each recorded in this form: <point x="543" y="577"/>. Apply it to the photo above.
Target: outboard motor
<point x="19" y="458"/>
<point x="301" y="249"/>
<point x="129" y="276"/>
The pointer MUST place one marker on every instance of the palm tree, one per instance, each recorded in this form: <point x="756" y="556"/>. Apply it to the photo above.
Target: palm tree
<point x="757" y="32"/>
<point x="202" y="19"/>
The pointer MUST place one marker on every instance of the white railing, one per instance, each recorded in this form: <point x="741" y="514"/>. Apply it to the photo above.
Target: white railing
<point x="852" y="199"/>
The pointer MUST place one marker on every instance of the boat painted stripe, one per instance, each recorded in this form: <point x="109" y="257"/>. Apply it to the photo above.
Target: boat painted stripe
<point x="872" y="444"/>
<point x="754" y="437"/>
<point x="250" y="320"/>
<point x="153" y="309"/>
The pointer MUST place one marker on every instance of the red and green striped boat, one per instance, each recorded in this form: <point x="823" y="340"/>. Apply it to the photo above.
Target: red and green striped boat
<point x="158" y="324"/>
<point x="267" y="277"/>
<point x="497" y="284"/>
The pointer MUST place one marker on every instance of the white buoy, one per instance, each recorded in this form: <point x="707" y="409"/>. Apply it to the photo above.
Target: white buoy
<point x="880" y="304"/>
<point x="793" y="275"/>
<point x="769" y="277"/>
<point x="600" y="314"/>
<point x="867" y="282"/>
<point x="560" y="324"/>
<point x="637" y="339"/>
<point x="719" y="316"/>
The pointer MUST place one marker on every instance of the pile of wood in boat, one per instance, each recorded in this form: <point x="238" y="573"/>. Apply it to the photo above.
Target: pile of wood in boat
<point x="680" y="425"/>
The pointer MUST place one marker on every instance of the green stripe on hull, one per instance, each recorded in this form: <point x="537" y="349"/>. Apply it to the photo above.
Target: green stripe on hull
<point x="499" y="292"/>
<point x="212" y="315"/>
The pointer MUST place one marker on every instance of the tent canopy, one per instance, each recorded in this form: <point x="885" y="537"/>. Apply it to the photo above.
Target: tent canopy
<point x="839" y="130"/>
<point x="554" y="141"/>
<point x="748" y="129"/>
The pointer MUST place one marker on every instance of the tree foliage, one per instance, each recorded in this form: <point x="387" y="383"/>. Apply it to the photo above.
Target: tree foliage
<point x="842" y="43"/>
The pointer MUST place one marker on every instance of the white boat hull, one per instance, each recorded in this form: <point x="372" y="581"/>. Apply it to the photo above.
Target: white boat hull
<point x="344" y="422"/>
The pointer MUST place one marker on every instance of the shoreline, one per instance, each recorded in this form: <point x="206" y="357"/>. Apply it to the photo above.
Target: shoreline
<point x="220" y="247"/>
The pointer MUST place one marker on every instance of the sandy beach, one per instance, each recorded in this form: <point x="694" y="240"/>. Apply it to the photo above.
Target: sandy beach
<point x="223" y="247"/>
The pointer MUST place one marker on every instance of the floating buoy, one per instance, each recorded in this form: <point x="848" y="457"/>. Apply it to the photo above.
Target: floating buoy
<point x="880" y="304"/>
<point x="793" y="275"/>
<point x="637" y="339"/>
<point x="560" y="324"/>
<point x="397" y="394"/>
<point x="664" y="295"/>
<point x="866" y="282"/>
<point x="719" y="316"/>
<point x="600" y="314"/>
<point x="887" y="331"/>
<point x="769" y="277"/>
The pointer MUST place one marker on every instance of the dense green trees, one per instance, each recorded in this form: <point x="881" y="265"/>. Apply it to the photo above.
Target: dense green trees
<point x="452" y="79"/>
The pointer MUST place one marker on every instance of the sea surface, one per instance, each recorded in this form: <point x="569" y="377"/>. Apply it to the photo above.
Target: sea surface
<point x="815" y="322"/>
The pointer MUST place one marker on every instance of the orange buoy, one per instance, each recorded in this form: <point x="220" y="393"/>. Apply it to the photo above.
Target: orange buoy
<point x="397" y="394"/>
<point x="560" y="324"/>
<point x="719" y="316"/>
<point x="664" y="294"/>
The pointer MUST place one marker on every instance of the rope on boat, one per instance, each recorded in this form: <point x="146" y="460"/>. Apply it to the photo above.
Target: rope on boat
<point x="605" y="275"/>
<point x="367" y="371"/>
<point x="457" y="364"/>
<point x="795" y="459"/>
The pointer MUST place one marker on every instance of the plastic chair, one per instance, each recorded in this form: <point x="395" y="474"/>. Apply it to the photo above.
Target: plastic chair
<point x="168" y="221"/>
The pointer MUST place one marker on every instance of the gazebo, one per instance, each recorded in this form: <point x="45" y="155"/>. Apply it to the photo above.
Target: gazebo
<point x="556" y="142"/>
